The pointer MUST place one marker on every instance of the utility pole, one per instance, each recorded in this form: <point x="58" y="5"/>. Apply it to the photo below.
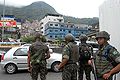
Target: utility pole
<point x="3" y="21"/>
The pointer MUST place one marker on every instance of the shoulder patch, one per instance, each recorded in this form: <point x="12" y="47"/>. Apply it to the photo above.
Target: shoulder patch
<point x="115" y="52"/>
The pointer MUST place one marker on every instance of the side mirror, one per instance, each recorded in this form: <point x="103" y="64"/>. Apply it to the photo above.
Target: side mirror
<point x="50" y="51"/>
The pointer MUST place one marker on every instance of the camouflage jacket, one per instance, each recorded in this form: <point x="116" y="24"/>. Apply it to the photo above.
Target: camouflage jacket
<point x="103" y="65"/>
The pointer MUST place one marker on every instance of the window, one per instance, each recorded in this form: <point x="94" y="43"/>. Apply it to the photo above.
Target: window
<point x="55" y="36"/>
<point x="50" y="30"/>
<point x="56" y="30"/>
<point x="51" y="24"/>
<point x="60" y="29"/>
<point x="71" y="26"/>
<point x="50" y="36"/>
<point x="69" y="31"/>
<point x="62" y="25"/>
<point x="56" y="24"/>
<point x="21" y="52"/>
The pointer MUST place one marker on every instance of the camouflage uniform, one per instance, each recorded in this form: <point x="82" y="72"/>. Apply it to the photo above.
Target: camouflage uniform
<point x="106" y="57"/>
<point x="85" y="51"/>
<point x="70" y="52"/>
<point x="38" y="52"/>
<point x="102" y="64"/>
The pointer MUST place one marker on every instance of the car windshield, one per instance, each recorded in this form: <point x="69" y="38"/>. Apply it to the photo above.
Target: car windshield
<point x="57" y="50"/>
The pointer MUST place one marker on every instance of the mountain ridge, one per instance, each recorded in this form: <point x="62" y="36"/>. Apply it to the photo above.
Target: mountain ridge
<point x="37" y="10"/>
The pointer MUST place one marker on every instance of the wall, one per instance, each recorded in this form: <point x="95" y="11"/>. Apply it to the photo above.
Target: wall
<point x="109" y="18"/>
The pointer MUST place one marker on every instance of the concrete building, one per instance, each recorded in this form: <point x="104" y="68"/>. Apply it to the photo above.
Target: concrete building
<point x="58" y="30"/>
<point x="50" y="18"/>
<point x="109" y="19"/>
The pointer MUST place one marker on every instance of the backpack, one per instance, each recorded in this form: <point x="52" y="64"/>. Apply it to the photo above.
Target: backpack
<point x="85" y="51"/>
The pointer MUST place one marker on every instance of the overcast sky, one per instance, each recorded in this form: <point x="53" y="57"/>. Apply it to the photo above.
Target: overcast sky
<point x="75" y="8"/>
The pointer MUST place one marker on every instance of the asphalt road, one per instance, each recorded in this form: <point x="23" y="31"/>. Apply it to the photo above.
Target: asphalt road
<point x="24" y="75"/>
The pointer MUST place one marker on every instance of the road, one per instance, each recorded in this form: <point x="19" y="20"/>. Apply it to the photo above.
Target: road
<point x="24" y="75"/>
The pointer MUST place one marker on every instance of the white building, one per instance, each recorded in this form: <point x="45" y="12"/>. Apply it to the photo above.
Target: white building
<point x="109" y="19"/>
<point x="50" y="18"/>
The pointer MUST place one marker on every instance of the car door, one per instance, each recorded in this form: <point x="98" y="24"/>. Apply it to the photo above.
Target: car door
<point x="20" y="57"/>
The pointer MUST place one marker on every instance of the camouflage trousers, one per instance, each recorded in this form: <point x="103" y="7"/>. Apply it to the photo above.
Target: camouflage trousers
<point x="37" y="69"/>
<point x="84" y="68"/>
<point x="70" y="72"/>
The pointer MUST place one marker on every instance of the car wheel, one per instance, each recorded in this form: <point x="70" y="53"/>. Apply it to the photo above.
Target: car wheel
<point x="10" y="68"/>
<point x="53" y="66"/>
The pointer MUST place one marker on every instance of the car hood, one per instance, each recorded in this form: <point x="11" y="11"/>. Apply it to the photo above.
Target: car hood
<point x="56" y="56"/>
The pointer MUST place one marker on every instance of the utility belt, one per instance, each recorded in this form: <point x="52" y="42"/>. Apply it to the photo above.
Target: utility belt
<point x="68" y="63"/>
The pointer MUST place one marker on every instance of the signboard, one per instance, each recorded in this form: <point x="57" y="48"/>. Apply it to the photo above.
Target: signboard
<point x="9" y="44"/>
<point x="8" y="23"/>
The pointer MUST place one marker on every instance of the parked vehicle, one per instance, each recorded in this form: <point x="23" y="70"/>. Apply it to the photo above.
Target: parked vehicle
<point x="16" y="59"/>
<point x="92" y="43"/>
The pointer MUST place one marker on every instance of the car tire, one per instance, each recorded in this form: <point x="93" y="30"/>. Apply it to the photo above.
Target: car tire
<point x="10" y="68"/>
<point x="53" y="66"/>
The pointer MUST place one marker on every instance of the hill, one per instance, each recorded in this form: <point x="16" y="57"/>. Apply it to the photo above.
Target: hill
<point x="37" y="10"/>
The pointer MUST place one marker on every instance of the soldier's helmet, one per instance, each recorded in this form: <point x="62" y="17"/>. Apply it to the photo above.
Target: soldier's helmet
<point x="69" y="37"/>
<point x="38" y="36"/>
<point x="83" y="37"/>
<point x="102" y="34"/>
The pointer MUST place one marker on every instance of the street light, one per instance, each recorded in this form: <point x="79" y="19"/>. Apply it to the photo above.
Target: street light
<point x="3" y="21"/>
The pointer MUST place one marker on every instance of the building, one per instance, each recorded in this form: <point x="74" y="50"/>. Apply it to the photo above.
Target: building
<point x="50" y="18"/>
<point x="29" y="28"/>
<point x="11" y="26"/>
<point x="58" y="30"/>
<point x="109" y="18"/>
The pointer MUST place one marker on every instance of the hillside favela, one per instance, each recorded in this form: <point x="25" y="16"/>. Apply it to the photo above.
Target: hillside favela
<point x="18" y="29"/>
<point x="19" y="23"/>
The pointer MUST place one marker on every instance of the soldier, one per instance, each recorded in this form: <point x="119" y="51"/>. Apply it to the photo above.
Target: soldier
<point x="107" y="58"/>
<point x="85" y="51"/>
<point x="70" y="57"/>
<point x="38" y="53"/>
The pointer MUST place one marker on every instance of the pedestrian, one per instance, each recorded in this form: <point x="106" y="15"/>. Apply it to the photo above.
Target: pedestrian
<point x="85" y="51"/>
<point x="38" y="53"/>
<point x="70" y="57"/>
<point x="107" y="58"/>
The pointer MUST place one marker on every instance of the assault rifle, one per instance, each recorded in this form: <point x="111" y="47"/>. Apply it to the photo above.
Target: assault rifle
<point x="94" y="68"/>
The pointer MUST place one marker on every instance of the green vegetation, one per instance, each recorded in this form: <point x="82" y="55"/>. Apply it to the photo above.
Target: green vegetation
<point x="31" y="39"/>
<point x="37" y="10"/>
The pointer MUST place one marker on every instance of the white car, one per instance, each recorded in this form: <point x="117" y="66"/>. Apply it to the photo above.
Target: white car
<point x="16" y="59"/>
<point x="92" y="43"/>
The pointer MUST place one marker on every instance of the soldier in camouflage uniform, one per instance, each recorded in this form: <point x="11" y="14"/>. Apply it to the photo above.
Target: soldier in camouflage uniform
<point x="107" y="58"/>
<point x="85" y="51"/>
<point x="70" y="57"/>
<point x="38" y="53"/>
